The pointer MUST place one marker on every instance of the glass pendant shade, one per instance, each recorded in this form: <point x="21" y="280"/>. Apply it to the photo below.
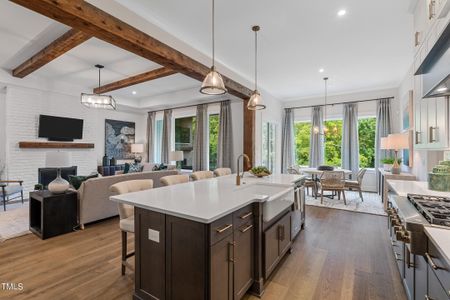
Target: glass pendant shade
<point x="98" y="101"/>
<point x="213" y="84"/>
<point x="255" y="101"/>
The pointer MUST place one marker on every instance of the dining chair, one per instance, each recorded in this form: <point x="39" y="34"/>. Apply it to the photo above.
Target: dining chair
<point x="333" y="181"/>
<point x="199" y="175"/>
<point x="222" y="172"/>
<point x="11" y="189"/>
<point x="309" y="182"/>
<point x="356" y="184"/>
<point x="174" y="179"/>
<point x="126" y="212"/>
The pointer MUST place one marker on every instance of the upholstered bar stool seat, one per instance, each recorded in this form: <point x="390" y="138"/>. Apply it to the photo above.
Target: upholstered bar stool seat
<point x="174" y="179"/>
<point x="199" y="175"/>
<point x="126" y="212"/>
<point x="222" y="172"/>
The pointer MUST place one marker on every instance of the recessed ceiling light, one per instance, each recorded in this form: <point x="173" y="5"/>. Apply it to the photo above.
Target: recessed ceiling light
<point x="321" y="70"/>
<point x="342" y="13"/>
<point x="134" y="92"/>
<point x="442" y="89"/>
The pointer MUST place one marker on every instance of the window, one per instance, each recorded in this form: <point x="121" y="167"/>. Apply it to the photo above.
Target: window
<point x="302" y="131"/>
<point x="184" y="139"/>
<point x="333" y="141"/>
<point x="268" y="145"/>
<point x="213" y="140"/>
<point x="158" y="140"/>
<point x="366" y="131"/>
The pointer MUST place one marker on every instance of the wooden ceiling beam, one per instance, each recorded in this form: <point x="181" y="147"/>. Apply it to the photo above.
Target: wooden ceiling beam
<point x="58" y="47"/>
<point x="95" y="22"/>
<point x="140" y="78"/>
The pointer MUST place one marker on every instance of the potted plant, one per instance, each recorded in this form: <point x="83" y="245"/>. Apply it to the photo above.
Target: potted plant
<point x="388" y="162"/>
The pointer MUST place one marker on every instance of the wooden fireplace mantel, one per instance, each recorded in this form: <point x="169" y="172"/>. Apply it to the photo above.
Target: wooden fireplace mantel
<point x="55" y="145"/>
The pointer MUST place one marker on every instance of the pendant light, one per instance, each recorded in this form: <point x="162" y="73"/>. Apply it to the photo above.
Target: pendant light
<point x="316" y="129"/>
<point x="255" y="101"/>
<point x="98" y="100"/>
<point x="213" y="82"/>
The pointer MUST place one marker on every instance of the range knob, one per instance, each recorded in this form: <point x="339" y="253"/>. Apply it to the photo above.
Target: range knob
<point x="395" y="221"/>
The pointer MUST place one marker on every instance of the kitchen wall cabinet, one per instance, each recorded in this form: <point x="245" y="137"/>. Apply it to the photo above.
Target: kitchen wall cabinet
<point x="277" y="240"/>
<point x="431" y="123"/>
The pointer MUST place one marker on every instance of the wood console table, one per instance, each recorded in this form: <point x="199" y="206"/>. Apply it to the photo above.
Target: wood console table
<point x="383" y="186"/>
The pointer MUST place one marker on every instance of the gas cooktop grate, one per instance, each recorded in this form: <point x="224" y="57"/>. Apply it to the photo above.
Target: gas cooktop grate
<point x="434" y="208"/>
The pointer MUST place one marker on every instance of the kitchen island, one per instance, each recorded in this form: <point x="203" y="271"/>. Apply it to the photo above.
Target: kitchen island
<point x="211" y="239"/>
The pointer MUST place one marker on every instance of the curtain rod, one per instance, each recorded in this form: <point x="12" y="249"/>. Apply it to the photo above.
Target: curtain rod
<point x="338" y="103"/>
<point x="186" y="106"/>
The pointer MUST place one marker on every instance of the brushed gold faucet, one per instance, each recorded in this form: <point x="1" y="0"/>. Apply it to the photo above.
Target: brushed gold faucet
<point x="247" y="159"/>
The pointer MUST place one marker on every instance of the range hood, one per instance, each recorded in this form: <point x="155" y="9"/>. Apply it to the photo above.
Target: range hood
<point x="436" y="68"/>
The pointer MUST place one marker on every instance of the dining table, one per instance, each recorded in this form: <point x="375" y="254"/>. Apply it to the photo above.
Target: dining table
<point x="315" y="176"/>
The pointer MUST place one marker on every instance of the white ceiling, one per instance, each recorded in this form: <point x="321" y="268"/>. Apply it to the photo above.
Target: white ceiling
<point x="370" y="48"/>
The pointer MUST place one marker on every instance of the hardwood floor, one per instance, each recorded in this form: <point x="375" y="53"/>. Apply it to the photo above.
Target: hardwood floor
<point x="340" y="255"/>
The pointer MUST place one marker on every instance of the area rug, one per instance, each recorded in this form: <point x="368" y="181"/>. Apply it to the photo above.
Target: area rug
<point x="372" y="203"/>
<point x="14" y="223"/>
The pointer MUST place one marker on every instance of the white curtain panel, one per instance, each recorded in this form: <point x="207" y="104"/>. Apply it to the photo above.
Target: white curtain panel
<point x="151" y="136"/>
<point x="384" y="128"/>
<point x="200" y="139"/>
<point x="166" y="136"/>
<point x="225" y="144"/>
<point x="287" y="141"/>
<point x="316" y="147"/>
<point x="350" y="139"/>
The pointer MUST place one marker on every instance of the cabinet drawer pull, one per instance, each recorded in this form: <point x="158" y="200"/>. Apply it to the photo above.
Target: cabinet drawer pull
<point x="230" y="252"/>
<point x="428" y="298"/>
<point x="397" y="256"/>
<point x="431" y="262"/>
<point x="247" y="228"/>
<point x="224" y="228"/>
<point x="245" y="216"/>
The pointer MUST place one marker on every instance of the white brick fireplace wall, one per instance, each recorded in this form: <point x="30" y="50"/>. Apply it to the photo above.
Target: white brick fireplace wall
<point x="23" y="107"/>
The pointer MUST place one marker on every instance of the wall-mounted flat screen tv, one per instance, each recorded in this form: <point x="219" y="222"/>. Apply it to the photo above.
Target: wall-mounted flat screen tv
<point x="59" y="128"/>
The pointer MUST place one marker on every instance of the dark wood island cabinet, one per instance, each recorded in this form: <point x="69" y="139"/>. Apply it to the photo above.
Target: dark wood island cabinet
<point x="180" y="259"/>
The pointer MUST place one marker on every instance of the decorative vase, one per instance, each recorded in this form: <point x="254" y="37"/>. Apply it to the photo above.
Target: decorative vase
<point x="439" y="178"/>
<point x="112" y="162"/>
<point x="59" y="185"/>
<point x="105" y="161"/>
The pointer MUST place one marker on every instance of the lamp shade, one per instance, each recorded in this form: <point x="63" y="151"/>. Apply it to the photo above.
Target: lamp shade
<point x="384" y="143"/>
<point x="98" y="101"/>
<point x="137" y="148"/>
<point x="213" y="84"/>
<point x="398" y="141"/>
<point x="57" y="159"/>
<point x="176" y="156"/>
<point x="255" y="102"/>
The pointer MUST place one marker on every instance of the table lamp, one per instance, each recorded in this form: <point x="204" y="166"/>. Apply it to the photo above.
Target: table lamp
<point x="58" y="160"/>
<point x="397" y="142"/>
<point x="136" y="149"/>
<point x="176" y="156"/>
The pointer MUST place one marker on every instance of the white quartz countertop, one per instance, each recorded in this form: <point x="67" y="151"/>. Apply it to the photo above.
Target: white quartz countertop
<point x="441" y="239"/>
<point x="405" y="187"/>
<point x="208" y="200"/>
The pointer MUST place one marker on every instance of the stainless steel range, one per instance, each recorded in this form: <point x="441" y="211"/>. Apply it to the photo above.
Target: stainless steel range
<point x="407" y="218"/>
<point x="436" y="210"/>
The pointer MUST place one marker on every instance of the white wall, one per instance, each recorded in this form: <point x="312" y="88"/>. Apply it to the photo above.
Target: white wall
<point x="23" y="107"/>
<point x="2" y="129"/>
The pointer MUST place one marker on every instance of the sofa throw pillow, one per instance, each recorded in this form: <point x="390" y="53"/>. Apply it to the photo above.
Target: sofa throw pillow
<point x="132" y="168"/>
<point x="76" y="181"/>
<point x="159" y="167"/>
